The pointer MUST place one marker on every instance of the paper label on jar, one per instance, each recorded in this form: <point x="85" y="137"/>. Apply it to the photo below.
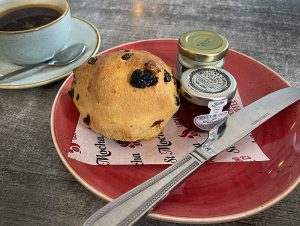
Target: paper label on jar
<point x="216" y="115"/>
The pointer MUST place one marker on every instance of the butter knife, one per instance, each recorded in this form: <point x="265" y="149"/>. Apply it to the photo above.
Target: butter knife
<point x="131" y="206"/>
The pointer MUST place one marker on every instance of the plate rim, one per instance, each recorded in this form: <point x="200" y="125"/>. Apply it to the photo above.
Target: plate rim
<point x="163" y="217"/>
<point x="45" y="82"/>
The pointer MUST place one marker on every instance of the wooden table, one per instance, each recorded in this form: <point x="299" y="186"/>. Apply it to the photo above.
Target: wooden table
<point x="36" y="188"/>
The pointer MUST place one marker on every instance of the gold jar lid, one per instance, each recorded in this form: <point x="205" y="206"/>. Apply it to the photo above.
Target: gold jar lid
<point x="204" y="46"/>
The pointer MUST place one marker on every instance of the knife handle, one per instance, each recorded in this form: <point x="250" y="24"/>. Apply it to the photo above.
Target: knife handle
<point x="131" y="206"/>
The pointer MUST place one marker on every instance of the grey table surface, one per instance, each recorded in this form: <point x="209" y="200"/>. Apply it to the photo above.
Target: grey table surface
<point x="36" y="188"/>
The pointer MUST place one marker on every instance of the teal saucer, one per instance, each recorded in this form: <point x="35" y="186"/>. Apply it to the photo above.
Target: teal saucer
<point x="81" y="31"/>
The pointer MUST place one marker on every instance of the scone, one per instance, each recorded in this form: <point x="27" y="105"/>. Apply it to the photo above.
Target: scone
<point x="126" y="95"/>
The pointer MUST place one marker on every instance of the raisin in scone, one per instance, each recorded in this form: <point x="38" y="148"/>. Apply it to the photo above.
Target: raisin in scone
<point x="125" y="95"/>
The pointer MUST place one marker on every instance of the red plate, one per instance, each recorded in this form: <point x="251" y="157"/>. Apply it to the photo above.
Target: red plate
<point x="218" y="192"/>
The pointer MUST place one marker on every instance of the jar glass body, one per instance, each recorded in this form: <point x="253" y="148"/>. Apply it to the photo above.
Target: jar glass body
<point x="188" y="111"/>
<point x="184" y="63"/>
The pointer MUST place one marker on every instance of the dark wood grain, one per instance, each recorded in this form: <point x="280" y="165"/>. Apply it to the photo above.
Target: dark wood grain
<point x="35" y="187"/>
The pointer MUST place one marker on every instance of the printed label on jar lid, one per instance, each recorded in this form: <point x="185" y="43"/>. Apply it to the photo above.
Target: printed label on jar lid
<point x="208" y="80"/>
<point x="216" y="115"/>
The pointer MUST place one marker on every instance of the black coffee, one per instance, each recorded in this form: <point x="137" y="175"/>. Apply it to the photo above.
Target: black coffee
<point x="27" y="18"/>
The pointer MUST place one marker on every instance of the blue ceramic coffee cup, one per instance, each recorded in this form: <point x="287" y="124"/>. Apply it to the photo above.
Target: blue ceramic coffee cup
<point x="35" y="45"/>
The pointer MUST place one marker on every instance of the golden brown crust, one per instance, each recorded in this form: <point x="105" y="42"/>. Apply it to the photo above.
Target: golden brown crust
<point x="113" y="106"/>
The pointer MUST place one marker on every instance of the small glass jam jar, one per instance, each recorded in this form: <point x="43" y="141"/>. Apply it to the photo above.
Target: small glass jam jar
<point x="205" y="96"/>
<point x="200" y="48"/>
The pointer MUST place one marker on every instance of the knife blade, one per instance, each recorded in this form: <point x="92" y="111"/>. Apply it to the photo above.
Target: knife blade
<point x="131" y="206"/>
